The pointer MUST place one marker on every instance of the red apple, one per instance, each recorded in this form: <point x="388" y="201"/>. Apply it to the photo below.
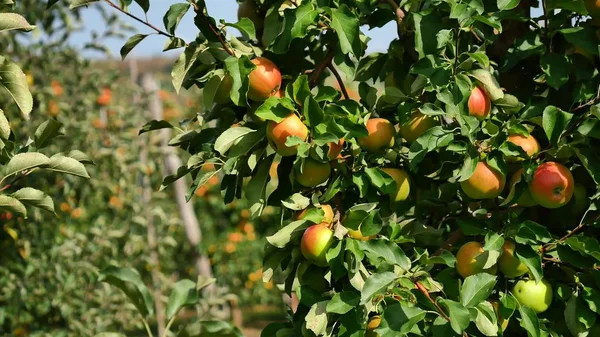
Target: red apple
<point x="316" y="241"/>
<point x="381" y="135"/>
<point x="552" y="185"/>
<point x="529" y="144"/>
<point x="479" y="103"/>
<point x="265" y="80"/>
<point x="277" y="134"/>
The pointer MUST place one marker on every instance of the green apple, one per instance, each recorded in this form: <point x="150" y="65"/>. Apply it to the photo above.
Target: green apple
<point x="537" y="296"/>
<point x="509" y="264"/>
<point x="315" y="243"/>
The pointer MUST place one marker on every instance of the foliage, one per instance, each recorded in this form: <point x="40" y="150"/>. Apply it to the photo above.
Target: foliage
<point x="541" y="76"/>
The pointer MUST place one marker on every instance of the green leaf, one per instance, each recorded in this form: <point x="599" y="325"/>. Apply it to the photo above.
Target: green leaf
<point x="386" y="250"/>
<point x="432" y="139"/>
<point x="78" y="3"/>
<point x="486" y="321"/>
<point x="4" y="126"/>
<point x="590" y="128"/>
<point x="585" y="245"/>
<point x="570" y="5"/>
<point x="529" y="321"/>
<point x="346" y="25"/>
<point x="582" y="37"/>
<point x="316" y="319"/>
<point x="131" y="43"/>
<point x="591" y="161"/>
<point x="532" y="233"/>
<point x="275" y="109"/>
<point x="228" y="138"/>
<point x="184" y="293"/>
<point x="255" y="191"/>
<point x="109" y="334"/>
<point x="555" y="122"/>
<point x="427" y="25"/>
<point x="246" y="143"/>
<point x="476" y="289"/>
<point x="343" y="302"/>
<point x="531" y="259"/>
<point x="25" y="161"/>
<point x="12" y="204"/>
<point x="399" y="319"/>
<point x="285" y="234"/>
<point x="312" y="112"/>
<point x="556" y="68"/>
<point x="591" y="296"/>
<point x="35" y="198"/>
<point x="47" y="131"/>
<point x="130" y="282"/>
<point x="578" y="317"/>
<point x="239" y="69"/>
<point x="12" y="21"/>
<point x="184" y="64"/>
<point x="505" y="5"/>
<point x="174" y="15"/>
<point x="155" y="125"/>
<point x="460" y="317"/>
<point x="376" y="284"/>
<point x="144" y="4"/>
<point x="489" y="83"/>
<point x="14" y="81"/>
<point x="60" y="163"/>
<point x="245" y="26"/>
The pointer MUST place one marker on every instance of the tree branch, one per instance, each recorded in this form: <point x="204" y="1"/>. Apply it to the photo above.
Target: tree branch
<point x="148" y="24"/>
<point x="314" y="76"/>
<point x="340" y="81"/>
<point x="212" y="28"/>
<point x="424" y="291"/>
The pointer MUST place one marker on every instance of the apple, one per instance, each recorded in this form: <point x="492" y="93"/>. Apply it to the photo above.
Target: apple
<point x="402" y="183"/>
<point x="537" y="296"/>
<point x="373" y="324"/>
<point x="529" y="144"/>
<point x="222" y="96"/>
<point x="105" y="97"/>
<point x="316" y="240"/>
<point x="335" y="149"/>
<point x="552" y="185"/>
<point x="247" y="9"/>
<point x="470" y="260"/>
<point x="277" y="134"/>
<point x="264" y="80"/>
<point x="525" y="199"/>
<point x="479" y="103"/>
<point x="327" y="216"/>
<point x="381" y="135"/>
<point x="313" y="173"/>
<point x="485" y="183"/>
<point x="509" y="264"/>
<point x="416" y="126"/>
<point x="357" y="234"/>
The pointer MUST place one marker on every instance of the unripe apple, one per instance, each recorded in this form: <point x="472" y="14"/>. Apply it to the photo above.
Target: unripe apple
<point x="402" y="183"/>
<point x="381" y="135"/>
<point x="552" y="185"/>
<point x="264" y="80"/>
<point x="536" y="296"/>
<point x="373" y="324"/>
<point x="525" y="199"/>
<point x="313" y="173"/>
<point x="247" y="9"/>
<point x="277" y="134"/>
<point x="479" y="103"/>
<point x="357" y="234"/>
<point x="485" y="183"/>
<point x="509" y="264"/>
<point x="327" y="216"/>
<point x="501" y="320"/>
<point x="222" y="96"/>
<point x="316" y="241"/>
<point x="335" y="149"/>
<point x="416" y="126"/>
<point x="470" y="260"/>
<point x="529" y="144"/>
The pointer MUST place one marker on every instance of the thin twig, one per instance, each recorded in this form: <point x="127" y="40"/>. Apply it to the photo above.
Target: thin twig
<point x="340" y="81"/>
<point x="111" y="4"/>
<point x="456" y="52"/>
<point x="423" y="290"/>
<point x="399" y="12"/>
<point x="212" y="28"/>
<point x="546" y="29"/>
<point x="314" y="77"/>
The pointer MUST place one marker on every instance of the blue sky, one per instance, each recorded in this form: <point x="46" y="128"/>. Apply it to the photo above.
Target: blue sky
<point x="219" y="9"/>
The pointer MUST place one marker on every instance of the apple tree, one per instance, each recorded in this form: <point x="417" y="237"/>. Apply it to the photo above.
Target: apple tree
<point x="446" y="187"/>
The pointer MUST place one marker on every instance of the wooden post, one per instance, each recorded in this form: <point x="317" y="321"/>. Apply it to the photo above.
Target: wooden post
<point x="151" y="227"/>
<point x="171" y="163"/>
